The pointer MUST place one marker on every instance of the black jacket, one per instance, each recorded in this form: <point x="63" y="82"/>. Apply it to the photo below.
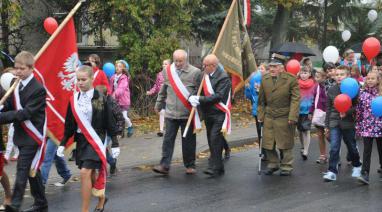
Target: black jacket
<point x="333" y="118"/>
<point x="221" y="85"/>
<point x="103" y="120"/>
<point x="32" y="99"/>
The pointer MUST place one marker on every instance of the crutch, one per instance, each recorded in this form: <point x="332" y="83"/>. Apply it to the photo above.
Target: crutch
<point x="260" y="147"/>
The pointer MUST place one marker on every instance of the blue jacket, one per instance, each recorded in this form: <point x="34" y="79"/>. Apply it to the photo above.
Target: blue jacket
<point x="252" y="94"/>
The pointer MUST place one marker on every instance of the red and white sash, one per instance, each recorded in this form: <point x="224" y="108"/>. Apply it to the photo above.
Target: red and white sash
<point x="226" y="108"/>
<point x="182" y="93"/>
<point x="96" y="74"/>
<point x="95" y="141"/>
<point x="32" y="131"/>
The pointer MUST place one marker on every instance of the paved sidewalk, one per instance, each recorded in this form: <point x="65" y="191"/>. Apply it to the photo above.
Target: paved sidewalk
<point x="147" y="149"/>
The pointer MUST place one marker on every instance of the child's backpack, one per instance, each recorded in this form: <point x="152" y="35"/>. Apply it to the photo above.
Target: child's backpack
<point x="117" y="113"/>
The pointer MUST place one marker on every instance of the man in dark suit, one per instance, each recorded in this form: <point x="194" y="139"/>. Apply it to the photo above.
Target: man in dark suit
<point x="214" y="104"/>
<point x="26" y="109"/>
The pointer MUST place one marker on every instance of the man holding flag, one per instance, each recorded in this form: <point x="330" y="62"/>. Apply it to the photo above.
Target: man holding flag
<point x="26" y="110"/>
<point x="216" y="106"/>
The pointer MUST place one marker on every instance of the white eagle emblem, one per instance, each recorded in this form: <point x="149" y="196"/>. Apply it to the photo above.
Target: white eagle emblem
<point x="68" y="76"/>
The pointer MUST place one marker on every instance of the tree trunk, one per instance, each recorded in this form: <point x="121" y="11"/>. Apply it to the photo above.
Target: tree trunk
<point x="280" y="26"/>
<point x="325" y="24"/>
<point x="5" y="31"/>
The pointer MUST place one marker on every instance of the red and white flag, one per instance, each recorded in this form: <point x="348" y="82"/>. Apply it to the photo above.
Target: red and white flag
<point x="247" y="12"/>
<point x="55" y="68"/>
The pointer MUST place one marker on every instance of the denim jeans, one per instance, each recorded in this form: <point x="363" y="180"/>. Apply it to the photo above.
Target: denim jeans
<point x="348" y="135"/>
<point x="50" y="156"/>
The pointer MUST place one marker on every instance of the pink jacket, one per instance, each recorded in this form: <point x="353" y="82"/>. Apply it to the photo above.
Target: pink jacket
<point x="122" y="93"/>
<point x="158" y="84"/>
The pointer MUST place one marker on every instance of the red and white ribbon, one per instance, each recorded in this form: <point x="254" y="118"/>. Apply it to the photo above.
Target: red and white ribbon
<point x="182" y="93"/>
<point x="226" y="108"/>
<point x="95" y="141"/>
<point x="32" y="131"/>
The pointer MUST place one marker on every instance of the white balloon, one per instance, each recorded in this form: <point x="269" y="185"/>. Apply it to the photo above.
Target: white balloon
<point x="346" y="35"/>
<point x="5" y="80"/>
<point x="331" y="54"/>
<point x="372" y="15"/>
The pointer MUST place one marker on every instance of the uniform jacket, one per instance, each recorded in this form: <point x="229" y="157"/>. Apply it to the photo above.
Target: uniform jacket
<point x="278" y="103"/>
<point x="191" y="77"/>
<point x="221" y="84"/>
<point x="32" y="99"/>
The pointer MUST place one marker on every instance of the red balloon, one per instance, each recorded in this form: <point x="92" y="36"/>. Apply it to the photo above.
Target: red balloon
<point x="342" y="103"/>
<point x="293" y="66"/>
<point x="371" y="47"/>
<point x="50" y="25"/>
<point x="297" y="56"/>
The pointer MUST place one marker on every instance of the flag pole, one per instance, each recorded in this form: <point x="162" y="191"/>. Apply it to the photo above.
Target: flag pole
<point x="59" y="29"/>
<point x="218" y="41"/>
<point x="48" y="42"/>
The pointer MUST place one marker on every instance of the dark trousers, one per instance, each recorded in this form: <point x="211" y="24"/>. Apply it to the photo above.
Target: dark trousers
<point x="216" y="140"/>
<point x="367" y="148"/>
<point x="188" y="143"/>
<point x="24" y="163"/>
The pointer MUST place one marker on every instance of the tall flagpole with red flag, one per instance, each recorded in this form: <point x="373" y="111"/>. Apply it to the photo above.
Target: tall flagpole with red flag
<point x="54" y="67"/>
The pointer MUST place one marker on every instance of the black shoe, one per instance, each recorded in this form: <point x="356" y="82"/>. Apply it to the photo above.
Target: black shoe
<point x="37" y="208"/>
<point x="285" y="173"/>
<point x="160" y="134"/>
<point x="214" y="173"/>
<point x="161" y="170"/>
<point x="9" y="208"/>
<point x="379" y="170"/>
<point x="101" y="209"/>
<point x="270" y="171"/>
<point x="304" y="157"/>
<point x="227" y="154"/>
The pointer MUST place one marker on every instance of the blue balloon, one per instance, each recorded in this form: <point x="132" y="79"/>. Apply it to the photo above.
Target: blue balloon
<point x="109" y="69"/>
<point x="350" y="87"/>
<point x="257" y="77"/>
<point x="376" y="106"/>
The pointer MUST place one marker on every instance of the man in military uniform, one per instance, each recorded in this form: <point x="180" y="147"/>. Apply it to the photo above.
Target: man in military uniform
<point x="278" y="109"/>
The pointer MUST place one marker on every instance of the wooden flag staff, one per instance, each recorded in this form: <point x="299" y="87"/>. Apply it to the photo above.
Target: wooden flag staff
<point x="192" y="113"/>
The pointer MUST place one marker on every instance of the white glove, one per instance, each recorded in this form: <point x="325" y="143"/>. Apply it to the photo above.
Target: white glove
<point x="60" y="151"/>
<point x="194" y="100"/>
<point x="115" y="152"/>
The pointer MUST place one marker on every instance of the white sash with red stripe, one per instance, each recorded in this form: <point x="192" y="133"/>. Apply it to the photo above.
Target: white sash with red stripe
<point x="95" y="141"/>
<point x="226" y="108"/>
<point x="182" y="93"/>
<point x="32" y="131"/>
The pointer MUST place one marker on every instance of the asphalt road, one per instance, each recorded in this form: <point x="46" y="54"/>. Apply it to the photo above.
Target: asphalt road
<point x="240" y="189"/>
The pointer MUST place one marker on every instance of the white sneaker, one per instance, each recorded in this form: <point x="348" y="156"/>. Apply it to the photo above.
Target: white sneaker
<point x="356" y="172"/>
<point x="62" y="183"/>
<point x="329" y="176"/>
